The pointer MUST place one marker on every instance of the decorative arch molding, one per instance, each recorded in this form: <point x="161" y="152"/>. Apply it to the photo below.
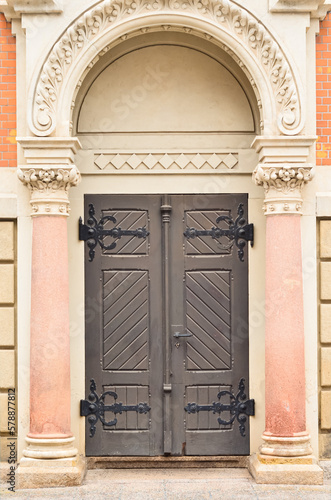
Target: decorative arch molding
<point x="92" y="34"/>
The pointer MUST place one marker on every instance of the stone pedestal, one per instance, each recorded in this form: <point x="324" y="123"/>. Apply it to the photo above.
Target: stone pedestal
<point x="280" y="470"/>
<point x="41" y="473"/>
<point x="285" y="455"/>
<point x="50" y="458"/>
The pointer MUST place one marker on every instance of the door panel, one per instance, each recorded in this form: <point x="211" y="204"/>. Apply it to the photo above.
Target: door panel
<point x="129" y="220"/>
<point x="210" y="301"/>
<point x="204" y="220"/>
<point x="208" y="320"/>
<point x="127" y="351"/>
<point x="123" y="324"/>
<point x="126" y="320"/>
<point x="130" y="395"/>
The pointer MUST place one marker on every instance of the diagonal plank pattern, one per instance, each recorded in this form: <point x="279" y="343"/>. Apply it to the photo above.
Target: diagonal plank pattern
<point x="125" y="320"/>
<point x="126" y="219"/>
<point x="206" y="245"/>
<point x="208" y="319"/>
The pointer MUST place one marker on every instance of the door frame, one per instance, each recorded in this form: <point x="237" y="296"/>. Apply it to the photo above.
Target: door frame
<point x="256" y="206"/>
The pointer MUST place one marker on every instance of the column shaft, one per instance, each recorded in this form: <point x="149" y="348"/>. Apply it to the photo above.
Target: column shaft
<point x="50" y="352"/>
<point x="285" y="365"/>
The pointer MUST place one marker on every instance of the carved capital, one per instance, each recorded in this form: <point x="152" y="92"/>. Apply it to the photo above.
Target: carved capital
<point x="49" y="188"/>
<point x="49" y="173"/>
<point x="285" y="178"/>
<point x="282" y="171"/>
<point x="49" y="179"/>
<point x="283" y="185"/>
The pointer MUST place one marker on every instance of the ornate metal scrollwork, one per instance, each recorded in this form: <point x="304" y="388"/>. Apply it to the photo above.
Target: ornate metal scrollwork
<point x="239" y="407"/>
<point x="94" y="232"/>
<point x="94" y="408"/>
<point x="238" y="232"/>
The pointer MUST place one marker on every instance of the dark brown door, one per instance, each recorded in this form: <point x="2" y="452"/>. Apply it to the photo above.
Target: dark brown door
<point x="166" y="325"/>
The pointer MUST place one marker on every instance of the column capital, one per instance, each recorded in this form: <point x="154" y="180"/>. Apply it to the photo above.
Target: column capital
<point x="283" y="183"/>
<point x="283" y="171"/>
<point x="49" y="172"/>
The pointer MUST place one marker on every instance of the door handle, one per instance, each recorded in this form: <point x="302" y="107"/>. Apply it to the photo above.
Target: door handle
<point x="177" y="335"/>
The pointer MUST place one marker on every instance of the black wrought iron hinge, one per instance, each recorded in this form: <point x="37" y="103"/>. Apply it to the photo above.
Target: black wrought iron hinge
<point x="239" y="408"/>
<point x="94" y="232"/>
<point x="94" y="408"/>
<point x="238" y="232"/>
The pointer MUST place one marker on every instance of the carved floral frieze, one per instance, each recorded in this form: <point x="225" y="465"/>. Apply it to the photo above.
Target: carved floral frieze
<point x="225" y="14"/>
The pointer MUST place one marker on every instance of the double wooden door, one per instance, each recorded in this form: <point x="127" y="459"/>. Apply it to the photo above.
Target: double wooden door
<point x="166" y="326"/>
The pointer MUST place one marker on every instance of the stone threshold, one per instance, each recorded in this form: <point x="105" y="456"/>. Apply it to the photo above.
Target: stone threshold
<point x="166" y="462"/>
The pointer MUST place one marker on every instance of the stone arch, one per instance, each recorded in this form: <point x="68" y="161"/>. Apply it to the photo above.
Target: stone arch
<point x="223" y="22"/>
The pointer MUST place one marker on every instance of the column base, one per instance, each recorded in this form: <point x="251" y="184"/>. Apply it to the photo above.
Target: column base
<point x="267" y="469"/>
<point x="50" y="462"/>
<point x="50" y="473"/>
<point x="50" y="448"/>
<point x="291" y="446"/>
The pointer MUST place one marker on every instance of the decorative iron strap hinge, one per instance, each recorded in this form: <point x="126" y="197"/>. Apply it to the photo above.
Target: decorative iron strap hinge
<point x="94" y="408"/>
<point x="238" y="232"/>
<point x="94" y="232"/>
<point x="239" y="407"/>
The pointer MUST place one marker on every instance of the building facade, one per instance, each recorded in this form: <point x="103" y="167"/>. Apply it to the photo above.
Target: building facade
<point x="187" y="314"/>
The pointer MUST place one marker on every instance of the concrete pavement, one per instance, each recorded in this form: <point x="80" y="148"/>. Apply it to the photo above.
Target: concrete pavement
<point x="176" y="484"/>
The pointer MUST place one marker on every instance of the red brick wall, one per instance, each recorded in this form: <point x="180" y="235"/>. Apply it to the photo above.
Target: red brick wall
<point x="8" y="154"/>
<point x="323" y="92"/>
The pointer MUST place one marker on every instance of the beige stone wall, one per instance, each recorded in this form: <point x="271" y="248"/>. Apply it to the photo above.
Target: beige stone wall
<point x="325" y="338"/>
<point x="7" y="334"/>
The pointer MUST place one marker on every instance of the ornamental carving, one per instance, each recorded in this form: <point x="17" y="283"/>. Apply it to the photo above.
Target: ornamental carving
<point x="283" y="178"/>
<point x="49" y="188"/>
<point x="283" y="185"/>
<point x="225" y="14"/>
<point x="49" y="180"/>
<point x="169" y="162"/>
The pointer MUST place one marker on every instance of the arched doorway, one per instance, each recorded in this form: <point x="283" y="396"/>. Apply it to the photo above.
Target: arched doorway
<point x="262" y="79"/>
<point x="167" y="337"/>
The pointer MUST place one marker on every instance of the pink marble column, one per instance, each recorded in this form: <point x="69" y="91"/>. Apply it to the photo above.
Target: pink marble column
<point x="50" y="351"/>
<point x="285" y="457"/>
<point x="285" y="425"/>
<point x="49" y="458"/>
<point x="49" y="181"/>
